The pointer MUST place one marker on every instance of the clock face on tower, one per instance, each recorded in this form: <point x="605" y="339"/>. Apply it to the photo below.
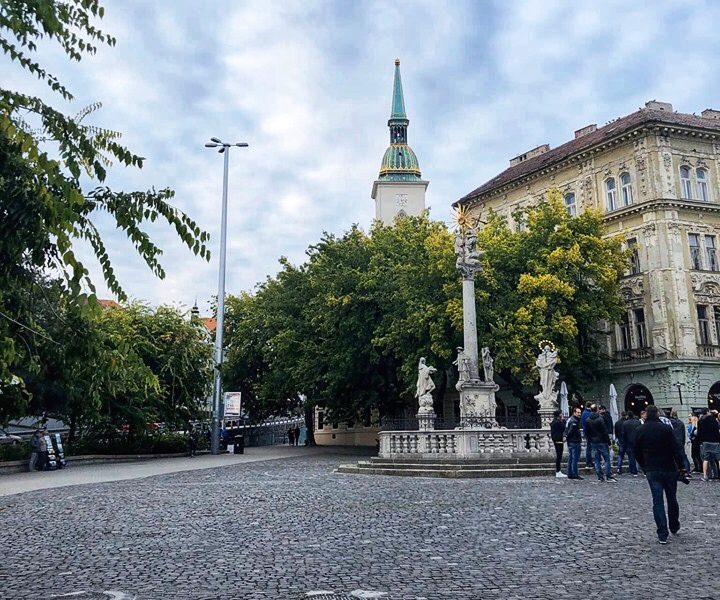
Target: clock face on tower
<point x="401" y="200"/>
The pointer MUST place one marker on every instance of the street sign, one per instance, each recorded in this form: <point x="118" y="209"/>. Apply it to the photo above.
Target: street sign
<point x="233" y="403"/>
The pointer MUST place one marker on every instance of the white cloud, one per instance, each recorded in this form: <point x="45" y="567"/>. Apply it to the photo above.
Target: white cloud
<point x="308" y="85"/>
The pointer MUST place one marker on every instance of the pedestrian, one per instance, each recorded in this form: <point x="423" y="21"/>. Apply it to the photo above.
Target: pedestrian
<point x="34" y="451"/>
<point x="583" y="420"/>
<point x="618" y="428"/>
<point x="660" y="457"/>
<point x="607" y="419"/>
<point x="296" y="433"/>
<point x="291" y="435"/>
<point x="192" y="441"/>
<point x="679" y="431"/>
<point x="573" y="438"/>
<point x="694" y="444"/>
<point x="557" y="433"/>
<point x="708" y="432"/>
<point x="599" y="439"/>
<point x="43" y="461"/>
<point x="630" y="428"/>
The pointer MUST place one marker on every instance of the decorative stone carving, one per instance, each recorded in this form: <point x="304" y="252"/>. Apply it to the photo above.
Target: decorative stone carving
<point x="466" y="252"/>
<point x="488" y="369"/>
<point x="632" y="289"/>
<point x="667" y="161"/>
<point x="423" y="392"/>
<point x="545" y="364"/>
<point x="463" y="365"/>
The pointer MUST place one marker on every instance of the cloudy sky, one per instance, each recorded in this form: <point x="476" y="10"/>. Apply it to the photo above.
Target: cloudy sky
<point x="308" y="85"/>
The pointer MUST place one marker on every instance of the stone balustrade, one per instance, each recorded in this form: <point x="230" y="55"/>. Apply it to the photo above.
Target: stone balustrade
<point x="463" y="444"/>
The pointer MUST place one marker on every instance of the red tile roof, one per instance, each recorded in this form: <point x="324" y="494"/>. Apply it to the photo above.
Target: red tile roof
<point x="644" y="116"/>
<point x="210" y="323"/>
<point x="108" y="303"/>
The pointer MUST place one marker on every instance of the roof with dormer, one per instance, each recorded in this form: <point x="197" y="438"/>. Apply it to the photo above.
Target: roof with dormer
<point x="602" y="135"/>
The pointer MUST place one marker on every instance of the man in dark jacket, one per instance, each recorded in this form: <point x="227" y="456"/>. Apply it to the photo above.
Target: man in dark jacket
<point x="629" y="431"/>
<point x="680" y="434"/>
<point x="574" y="442"/>
<point x="620" y="441"/>
<point x="607" y="419"/>
<point x="660" y="457"/>
<point x="583" y="421"/>
<point x="599" y="440"/>
<point x="708" y="433"/>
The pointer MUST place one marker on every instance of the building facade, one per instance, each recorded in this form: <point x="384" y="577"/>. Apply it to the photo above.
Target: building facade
<point x="399" y="189"/>
<point x="656" y="176"/>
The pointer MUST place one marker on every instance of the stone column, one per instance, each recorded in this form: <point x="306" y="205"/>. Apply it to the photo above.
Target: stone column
<point x="470" y="325"/>
<point x="477" y="397"/>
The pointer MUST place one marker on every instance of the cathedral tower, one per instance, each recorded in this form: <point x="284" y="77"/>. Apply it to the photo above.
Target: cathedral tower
<point x="399" y="190"/>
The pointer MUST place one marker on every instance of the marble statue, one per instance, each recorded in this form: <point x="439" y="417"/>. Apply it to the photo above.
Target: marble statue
<point x="487" y="360"/>
<point x="463" y="365"/>
<point x="466" y="252"/>
<point x="425" y="384"/>
<point x="545" y="363"/>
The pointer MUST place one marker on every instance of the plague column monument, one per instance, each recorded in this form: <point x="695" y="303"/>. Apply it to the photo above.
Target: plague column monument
<point x="477" y="396"/>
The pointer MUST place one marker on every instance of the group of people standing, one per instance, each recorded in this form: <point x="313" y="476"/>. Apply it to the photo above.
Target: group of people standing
<point x="653" y="440"/>
<point x="293" y="434"/>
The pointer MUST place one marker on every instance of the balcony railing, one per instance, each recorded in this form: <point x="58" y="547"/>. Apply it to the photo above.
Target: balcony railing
<point x="709" y="351"/>
<point x="634" y="354"/>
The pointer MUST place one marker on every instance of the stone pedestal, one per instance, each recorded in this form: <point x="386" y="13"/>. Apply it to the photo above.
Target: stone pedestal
<point x="426" y="414"/>
<point x="477" y="404"/>
<point x="546" y="417"/>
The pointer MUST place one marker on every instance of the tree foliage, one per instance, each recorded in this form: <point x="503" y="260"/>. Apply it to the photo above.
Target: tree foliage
<point x="347" y="327"/>
<point x="556" y="279"/>
<point x="53" y="167"/>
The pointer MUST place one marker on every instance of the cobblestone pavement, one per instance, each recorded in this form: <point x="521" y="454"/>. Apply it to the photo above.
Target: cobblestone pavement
<point x="285" y="528"/>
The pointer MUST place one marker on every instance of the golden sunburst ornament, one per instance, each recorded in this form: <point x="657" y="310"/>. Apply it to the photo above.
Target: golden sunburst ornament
<point x="463" y="220"/>
<point x="544" y="343"/>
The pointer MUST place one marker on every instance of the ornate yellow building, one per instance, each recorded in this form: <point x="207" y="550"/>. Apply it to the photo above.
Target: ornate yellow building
<point x="656" y="175"/>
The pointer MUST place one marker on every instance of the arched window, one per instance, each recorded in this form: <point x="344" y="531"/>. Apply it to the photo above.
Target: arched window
<point x="626" y="188"/>
<point x="702" y="181"/>
<point x="685" y="183"/>
<point x="570" y="205"/>
<point x="611" y="194"/>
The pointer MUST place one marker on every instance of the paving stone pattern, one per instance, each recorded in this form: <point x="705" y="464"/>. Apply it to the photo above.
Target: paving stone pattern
<point x="285" y="528"/>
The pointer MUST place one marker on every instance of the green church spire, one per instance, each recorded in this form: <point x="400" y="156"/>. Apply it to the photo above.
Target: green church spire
<point x="399" y="162"/>
<point x="398" y="102"/>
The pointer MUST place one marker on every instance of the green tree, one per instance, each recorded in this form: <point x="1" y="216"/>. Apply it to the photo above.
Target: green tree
<point x="49" y="163"/>
<point x="556" y="279"/>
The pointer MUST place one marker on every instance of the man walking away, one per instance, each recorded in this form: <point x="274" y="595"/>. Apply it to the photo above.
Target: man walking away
<point x="296" y="431"/>
<point x="620" y="441"/>
<point x="695" y="445"/>
<point x="599" y="440"/>
<point x="629" y="430"/>
<point x="679" y="430"/>
<point x="557" y="433"/>
<point x="708" y="434"/>
<point x="291" y="436"/>
<point x="35" y="450"/>
<point x="573" y="438"/>
<point x="42" y="461"/>
<point x="192" y="441"/>
<point x="660" y="457"/>
<point x="583" y="421"/>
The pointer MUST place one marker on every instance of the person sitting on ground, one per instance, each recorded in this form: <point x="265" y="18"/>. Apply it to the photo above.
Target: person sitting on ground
<point x="708" y="434"/>
<point x="660" y="457"/>
<point x="599" y="440"/>
<point x="557" y="434"/>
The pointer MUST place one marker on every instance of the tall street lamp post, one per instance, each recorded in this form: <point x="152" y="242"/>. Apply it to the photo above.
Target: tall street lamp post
<point x="220" y="325"/>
